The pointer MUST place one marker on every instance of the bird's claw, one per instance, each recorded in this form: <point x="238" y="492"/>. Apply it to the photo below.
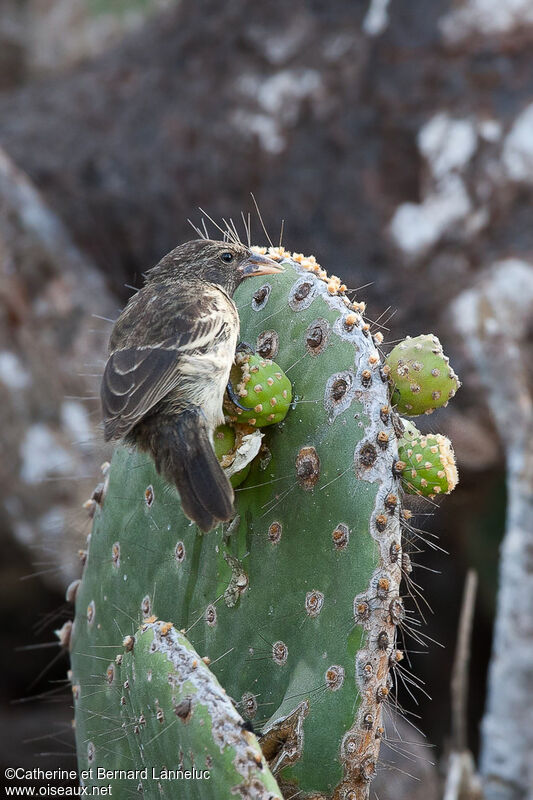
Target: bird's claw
<point x="247" y="349"/>
<point x="234" y="397"/>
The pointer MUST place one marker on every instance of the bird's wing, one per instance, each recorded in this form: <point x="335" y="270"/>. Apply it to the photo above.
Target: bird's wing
<point x="136" y="378"/>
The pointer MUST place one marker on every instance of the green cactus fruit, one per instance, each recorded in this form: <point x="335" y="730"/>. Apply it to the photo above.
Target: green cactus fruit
<point x="420" y="376"/>
<point x="297" y="599"/>
<point x="426" y="463"/>
<point x="225" y="442"/>
<point x="176" y="716"/>
<point x="262" y="387"/>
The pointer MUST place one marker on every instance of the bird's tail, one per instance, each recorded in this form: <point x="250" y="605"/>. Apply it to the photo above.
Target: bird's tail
<point x="183" y="453"/>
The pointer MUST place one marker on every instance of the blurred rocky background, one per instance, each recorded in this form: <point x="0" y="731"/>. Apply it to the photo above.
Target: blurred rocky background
<point x="394" y="137"/>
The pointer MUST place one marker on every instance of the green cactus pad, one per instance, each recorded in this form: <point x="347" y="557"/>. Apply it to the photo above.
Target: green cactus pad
<point x="261" y="386"/>
<point x="176" y="716"/>
<point x="420" y="376"/>
<point x="296" y="600"/>
<point x="427" y="463"/>
<point x="225" y="446"/>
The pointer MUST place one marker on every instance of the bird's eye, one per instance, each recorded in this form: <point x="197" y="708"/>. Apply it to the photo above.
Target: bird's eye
<point x="227" y="256"/>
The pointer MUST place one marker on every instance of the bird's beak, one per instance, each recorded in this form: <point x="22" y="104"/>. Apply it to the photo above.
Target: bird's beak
<point x="259" y="265"/>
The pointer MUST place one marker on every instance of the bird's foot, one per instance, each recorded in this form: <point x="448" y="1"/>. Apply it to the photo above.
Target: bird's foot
<point x="244" y="347"/>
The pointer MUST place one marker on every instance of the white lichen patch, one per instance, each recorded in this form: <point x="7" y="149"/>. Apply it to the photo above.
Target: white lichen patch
<point x="376" y="18"/>
<point x="12" y="372"/>
<point x="517" y="155"/>
<point x="416" y="227"/>
<point x="490" y="130"/>
<point x="506" y="302"/>
<point x="284" y="43"/>
<point x="282" y="93"/>
<point x="42" y="456"/>
<point x="339" y="393"/>
<point x="75" y="420"/>
<point x="256" y="125"/>
<point x="278" y="98"/>
<point x="485" y="18"/>
<point x="447" y="144"/>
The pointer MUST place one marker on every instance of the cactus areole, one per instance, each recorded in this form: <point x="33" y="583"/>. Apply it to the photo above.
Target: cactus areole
<point x="289" y="611"/>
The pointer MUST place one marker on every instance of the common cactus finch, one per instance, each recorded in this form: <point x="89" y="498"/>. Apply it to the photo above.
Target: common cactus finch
<point x="170" y="355"/>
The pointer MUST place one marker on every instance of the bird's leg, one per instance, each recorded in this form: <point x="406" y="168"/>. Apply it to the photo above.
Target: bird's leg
<point x="242" y="347"/>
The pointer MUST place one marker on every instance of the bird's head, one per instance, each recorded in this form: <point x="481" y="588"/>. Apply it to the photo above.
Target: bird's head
<point x="225" y="264"/>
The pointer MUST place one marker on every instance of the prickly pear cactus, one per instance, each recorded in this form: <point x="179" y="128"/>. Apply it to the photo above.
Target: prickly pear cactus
<point x="294" y="603"/>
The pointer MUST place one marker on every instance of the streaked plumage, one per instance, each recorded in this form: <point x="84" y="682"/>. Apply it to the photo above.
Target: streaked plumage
<point x="171" y="352"/>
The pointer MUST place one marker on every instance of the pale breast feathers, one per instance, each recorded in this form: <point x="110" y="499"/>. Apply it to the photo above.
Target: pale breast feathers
<point x="200" y="339"/>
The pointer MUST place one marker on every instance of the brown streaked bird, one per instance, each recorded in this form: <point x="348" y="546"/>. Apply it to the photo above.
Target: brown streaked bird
<point x="170" y="355"/>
